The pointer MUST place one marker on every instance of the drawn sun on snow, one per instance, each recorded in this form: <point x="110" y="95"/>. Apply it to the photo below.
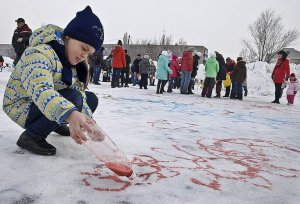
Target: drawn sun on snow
<point x="250" y="161"/>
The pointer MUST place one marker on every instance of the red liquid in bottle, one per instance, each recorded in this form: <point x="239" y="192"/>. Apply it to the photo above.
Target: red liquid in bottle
<point x="119" y="169"/>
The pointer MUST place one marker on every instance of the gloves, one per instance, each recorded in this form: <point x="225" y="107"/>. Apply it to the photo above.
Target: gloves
<point x="286" y="78"/>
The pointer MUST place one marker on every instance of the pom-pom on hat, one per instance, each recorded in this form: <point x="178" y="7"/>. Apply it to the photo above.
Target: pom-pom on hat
<point x="86" y="27"/>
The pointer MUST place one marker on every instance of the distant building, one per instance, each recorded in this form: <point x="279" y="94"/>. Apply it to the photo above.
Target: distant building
<point x="294" y="56"/>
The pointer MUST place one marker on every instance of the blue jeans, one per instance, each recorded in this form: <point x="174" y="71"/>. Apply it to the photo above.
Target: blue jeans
<point x="116" y="76"/>
<point x="237" y="89"/>
<point x="39" y="126"/>
<point x="135" y="78"/>
<point x="185" y="80"/>
<point x="97" y="71"/>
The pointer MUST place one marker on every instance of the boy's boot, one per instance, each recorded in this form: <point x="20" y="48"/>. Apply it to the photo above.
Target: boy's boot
<point x="41" y="147"/>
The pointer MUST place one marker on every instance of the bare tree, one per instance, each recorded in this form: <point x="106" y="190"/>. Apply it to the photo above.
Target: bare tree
<point x="181" y="41"/>
<point x="125" y="39"/>
<point x="268" y="36"/>
<point x="169" y="40"/>
<point x="155" y="41"/>
<point x="163" y="39"/>
<point x="247" y="55"/>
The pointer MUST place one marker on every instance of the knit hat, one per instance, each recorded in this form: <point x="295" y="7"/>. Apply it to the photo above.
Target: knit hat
<point x="292" y="75"/>
<point x="119" y="42"/>
<point x="86" y="27"/>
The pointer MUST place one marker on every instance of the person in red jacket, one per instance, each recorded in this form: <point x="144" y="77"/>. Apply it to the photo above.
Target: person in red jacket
<point x="118" y="63"/>
<point x="186" y="69"/>
<point x="280" y="74"/>
<point x="20" y="39"/>
<point x="175" y="67"/>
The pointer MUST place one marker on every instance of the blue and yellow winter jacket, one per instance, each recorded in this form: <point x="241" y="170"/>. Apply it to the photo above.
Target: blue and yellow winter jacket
<point x="36" y="79"/>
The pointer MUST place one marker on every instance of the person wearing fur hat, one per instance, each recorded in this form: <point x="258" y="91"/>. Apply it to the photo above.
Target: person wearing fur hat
<point x="238" y="76"/>
<point x="47" y="89"/>
<point x="144" y="67"/>
<point x="211" y="70"/>
<point x="118" y="64"/>
<point x="280" y="74"/>
<point x="293" y="88"/>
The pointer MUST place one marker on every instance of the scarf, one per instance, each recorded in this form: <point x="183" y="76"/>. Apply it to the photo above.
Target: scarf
<point x="67" y="74"/>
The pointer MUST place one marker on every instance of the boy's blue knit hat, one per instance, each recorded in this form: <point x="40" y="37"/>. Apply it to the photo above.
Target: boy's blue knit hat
<point x="86" y="27"/>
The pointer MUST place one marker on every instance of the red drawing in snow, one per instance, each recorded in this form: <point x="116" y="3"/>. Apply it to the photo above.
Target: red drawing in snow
<point x="209" y="162"/>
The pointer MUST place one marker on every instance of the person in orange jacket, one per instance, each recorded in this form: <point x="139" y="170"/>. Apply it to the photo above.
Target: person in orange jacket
<point x="118" y="64"/>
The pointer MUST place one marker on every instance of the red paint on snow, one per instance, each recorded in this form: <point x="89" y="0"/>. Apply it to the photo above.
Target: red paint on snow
<point x="253" y="162"/>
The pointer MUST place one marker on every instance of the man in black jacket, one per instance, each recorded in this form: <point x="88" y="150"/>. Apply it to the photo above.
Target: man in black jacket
<point x="20" y="39"/>
<point x="196" y="58"/>
<point x="135" y="69"/>
<point x="125" y="71"/>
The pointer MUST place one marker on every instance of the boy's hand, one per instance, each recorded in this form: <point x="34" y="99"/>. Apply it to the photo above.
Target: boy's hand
<point x="77" y="121"/>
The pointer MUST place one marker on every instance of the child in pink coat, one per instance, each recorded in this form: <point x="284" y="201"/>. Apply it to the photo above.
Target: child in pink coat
<point x="293" y="87"/>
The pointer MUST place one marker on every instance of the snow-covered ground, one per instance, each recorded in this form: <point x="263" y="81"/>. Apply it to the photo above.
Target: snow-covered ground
<point x="184" y="148"/>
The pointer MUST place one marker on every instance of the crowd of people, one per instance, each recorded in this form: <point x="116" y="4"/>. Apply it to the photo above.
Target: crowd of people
<point x="180" y="72"/>
<point x="48" y="87"/>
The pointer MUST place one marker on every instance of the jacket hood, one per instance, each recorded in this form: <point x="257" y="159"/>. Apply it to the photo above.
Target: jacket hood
<point x="46" y="34"/>
<point x="187" y="53"/>
<point x="211" y="60"/>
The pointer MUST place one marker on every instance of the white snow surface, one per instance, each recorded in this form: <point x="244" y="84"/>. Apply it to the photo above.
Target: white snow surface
<point x="184" y="148"/>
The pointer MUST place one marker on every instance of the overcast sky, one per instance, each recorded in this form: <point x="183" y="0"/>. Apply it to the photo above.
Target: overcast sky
<point x="217" y="24"/>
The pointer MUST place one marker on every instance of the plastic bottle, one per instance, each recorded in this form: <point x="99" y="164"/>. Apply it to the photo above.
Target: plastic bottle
<point x="107" y="151"/>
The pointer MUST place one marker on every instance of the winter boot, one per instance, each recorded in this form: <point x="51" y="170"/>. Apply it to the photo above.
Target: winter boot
<point x="157" y="89"/>
<point x="232" y="96"/>
<point x="41" y="147"/>
<point x="240" y="96"/>
<point x="246" y="93"/>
